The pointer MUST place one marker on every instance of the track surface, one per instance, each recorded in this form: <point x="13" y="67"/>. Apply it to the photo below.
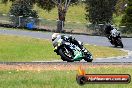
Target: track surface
<point x="96" y="40"/>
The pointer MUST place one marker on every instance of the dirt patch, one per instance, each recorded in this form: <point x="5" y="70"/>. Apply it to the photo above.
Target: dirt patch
<point x="39" y="67"/>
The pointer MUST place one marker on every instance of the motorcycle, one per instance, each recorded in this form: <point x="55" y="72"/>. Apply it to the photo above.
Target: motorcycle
<point x="115" y="38"/>
<point x="70" y="52"/>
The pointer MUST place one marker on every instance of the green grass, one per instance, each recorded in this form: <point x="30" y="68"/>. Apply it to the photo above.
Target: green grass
<point x="4" y="8"/>
<point x="75" y="13"/>
<point x="75" y="17"/>
<point x="16" y="48"/>
<point x="103" y="52"/>
<point x="58" y="79"/>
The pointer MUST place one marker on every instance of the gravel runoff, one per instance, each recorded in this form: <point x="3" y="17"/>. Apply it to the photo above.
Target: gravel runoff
<point x="41" y="66"/>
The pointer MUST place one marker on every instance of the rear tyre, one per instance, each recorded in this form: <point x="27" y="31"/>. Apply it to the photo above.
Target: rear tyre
<point x="64" y="57"/>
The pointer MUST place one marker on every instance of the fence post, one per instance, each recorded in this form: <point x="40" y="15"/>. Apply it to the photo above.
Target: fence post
<point x="19" y="21"/>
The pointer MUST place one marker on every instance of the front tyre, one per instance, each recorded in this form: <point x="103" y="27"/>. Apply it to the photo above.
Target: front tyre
<point x="120" y="43"/>
<point x="88" y="57"/>
<point x="64" y="57"/>
<point x="88" y="60"/>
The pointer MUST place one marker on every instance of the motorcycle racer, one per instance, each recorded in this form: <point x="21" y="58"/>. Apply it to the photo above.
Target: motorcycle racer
<point x="70" y="49"/>
<point x="113" y="35"/>
<point x="67" y="38"/>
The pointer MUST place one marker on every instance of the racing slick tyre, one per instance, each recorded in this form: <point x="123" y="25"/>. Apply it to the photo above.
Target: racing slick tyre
<point x="64" y="57"/>
<point x="120" y="43"/>
<point x="88" y="58"/>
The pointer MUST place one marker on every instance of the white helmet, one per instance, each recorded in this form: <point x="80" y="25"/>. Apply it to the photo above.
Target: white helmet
<point x="54" y="36"/>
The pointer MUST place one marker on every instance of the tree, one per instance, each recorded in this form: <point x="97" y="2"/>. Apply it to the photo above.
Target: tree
<point x="62" y="6"/>
<point x="100" y="11"/>
<point x="22" y="8"/>
<point x="120" y="7"/>
<point x="127" y="18"/>
<point x="44" y="4"/>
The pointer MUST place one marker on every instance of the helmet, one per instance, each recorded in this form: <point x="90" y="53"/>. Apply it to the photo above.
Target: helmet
<point x="108" y="26"/>
<point x="54" y="36"/>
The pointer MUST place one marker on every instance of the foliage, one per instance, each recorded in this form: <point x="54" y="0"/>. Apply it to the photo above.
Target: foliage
<point x="24" y="11"/>
<point x="100" y="11"/>
<point x="5" y="1"/>
<point x="117" y="19"/>
<point x="120" y="7"/>
<point x="4" y="8"/>
<point x="23" y="8"/>
<point x="45" y="4"/>
<point x="127" y="18"/>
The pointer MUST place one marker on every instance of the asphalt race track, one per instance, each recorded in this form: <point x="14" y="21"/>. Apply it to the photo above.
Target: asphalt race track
<point x="96" y="40"/>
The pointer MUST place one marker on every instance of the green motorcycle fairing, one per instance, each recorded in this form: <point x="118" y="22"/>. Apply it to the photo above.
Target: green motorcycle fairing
<point x="78" y="55"/>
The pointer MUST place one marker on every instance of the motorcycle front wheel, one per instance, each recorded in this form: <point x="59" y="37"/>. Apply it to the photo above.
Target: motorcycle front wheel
<point x="64" y="56"/>
<point x="120" y="43"/>
<point x="88" y="57"/>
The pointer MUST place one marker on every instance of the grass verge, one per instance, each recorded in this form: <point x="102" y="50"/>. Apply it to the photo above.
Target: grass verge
<point x="58" y="79"/>
<point x="16" y="48"/>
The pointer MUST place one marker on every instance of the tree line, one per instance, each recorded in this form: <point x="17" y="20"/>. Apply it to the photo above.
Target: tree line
<point x="97" y="11"/>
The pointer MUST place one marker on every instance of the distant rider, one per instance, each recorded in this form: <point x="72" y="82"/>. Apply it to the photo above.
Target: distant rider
<point x="109" y="30"/>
